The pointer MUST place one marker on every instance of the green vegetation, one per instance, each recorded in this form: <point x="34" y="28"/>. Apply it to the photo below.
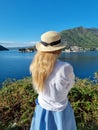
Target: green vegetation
<point x="84" y="99"/>
<point x="17" y="103"/>
<point x="81" y="37"/>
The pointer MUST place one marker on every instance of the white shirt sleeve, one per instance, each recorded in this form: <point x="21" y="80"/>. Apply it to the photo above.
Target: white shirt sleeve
<point x="62" y="83"/>
<point x="69" y="77"/>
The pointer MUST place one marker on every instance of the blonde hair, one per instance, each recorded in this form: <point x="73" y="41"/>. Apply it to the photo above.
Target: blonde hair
<point x="42" y="66"/>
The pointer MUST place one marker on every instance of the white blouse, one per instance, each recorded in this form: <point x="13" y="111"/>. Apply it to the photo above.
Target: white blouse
<point x="57" y="86"/>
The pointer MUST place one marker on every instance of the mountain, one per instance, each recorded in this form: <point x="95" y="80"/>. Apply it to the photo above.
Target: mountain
<point x="81" y="37"/>
<point x="3" y="48"/>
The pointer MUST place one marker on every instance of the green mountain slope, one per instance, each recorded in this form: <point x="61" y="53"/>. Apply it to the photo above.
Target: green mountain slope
<point x="80" y="36"/>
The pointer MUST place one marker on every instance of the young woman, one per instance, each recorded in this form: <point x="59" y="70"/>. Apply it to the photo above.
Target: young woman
<point x="52" y="79"/>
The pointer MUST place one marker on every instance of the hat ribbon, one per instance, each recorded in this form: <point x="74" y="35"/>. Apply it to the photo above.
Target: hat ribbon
<point x="50" y="44"/>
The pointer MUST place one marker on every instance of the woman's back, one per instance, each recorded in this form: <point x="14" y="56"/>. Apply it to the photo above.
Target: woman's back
<point x="57" y="86"/>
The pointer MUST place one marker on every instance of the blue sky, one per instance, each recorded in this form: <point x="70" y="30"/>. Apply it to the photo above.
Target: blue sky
<point x="23" y="21"/>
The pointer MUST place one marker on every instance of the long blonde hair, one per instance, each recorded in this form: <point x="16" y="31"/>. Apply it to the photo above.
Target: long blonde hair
<point x="42" y="66"/>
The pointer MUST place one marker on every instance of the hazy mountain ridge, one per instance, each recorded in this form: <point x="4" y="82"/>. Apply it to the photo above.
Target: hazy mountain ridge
<point x="80" y="36"/>
<point x="3" y="48"/>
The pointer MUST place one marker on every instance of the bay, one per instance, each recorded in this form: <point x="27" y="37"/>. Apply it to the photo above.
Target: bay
<point x="85" y="64"/>
<point x="15" y="65"/>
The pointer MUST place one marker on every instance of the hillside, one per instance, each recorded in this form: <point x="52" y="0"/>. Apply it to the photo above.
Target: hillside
<point x="2" y="48"/>
<point x="83" y="38"/>
<point x="80" y="36"/>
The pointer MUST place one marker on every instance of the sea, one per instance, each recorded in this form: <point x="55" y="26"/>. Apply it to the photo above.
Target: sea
<point x="15" y="64"/>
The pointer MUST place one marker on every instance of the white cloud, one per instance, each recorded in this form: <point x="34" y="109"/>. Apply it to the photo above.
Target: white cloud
<point x="17" y="44"/>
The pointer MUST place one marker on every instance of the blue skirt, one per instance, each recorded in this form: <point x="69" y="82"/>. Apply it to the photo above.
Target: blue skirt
<point x="53" y="120"/>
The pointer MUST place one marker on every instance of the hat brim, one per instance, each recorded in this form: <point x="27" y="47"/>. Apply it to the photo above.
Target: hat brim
<point x="41" y="47"/>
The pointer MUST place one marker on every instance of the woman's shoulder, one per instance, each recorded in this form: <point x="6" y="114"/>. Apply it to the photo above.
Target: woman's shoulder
<point x="60" y="63"/>
<point x="63" y="67"/>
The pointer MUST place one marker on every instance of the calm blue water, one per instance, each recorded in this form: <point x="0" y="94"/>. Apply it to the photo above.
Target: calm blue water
<point x="85" y="64"/>
<point x="14" y="64"/>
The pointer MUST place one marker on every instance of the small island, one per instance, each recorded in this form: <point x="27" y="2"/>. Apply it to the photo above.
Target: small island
<point x="27" y="49"/>
<point x="3" y="48"/>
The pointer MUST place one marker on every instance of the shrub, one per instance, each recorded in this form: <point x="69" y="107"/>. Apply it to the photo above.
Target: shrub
<point x="17" y="103"/>
<point x="84" y="99"/>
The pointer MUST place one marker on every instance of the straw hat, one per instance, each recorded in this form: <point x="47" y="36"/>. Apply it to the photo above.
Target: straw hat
<point x="50" y="41"/>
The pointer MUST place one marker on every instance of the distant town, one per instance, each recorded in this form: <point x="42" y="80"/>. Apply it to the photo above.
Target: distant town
<point x="70" y="49"/>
